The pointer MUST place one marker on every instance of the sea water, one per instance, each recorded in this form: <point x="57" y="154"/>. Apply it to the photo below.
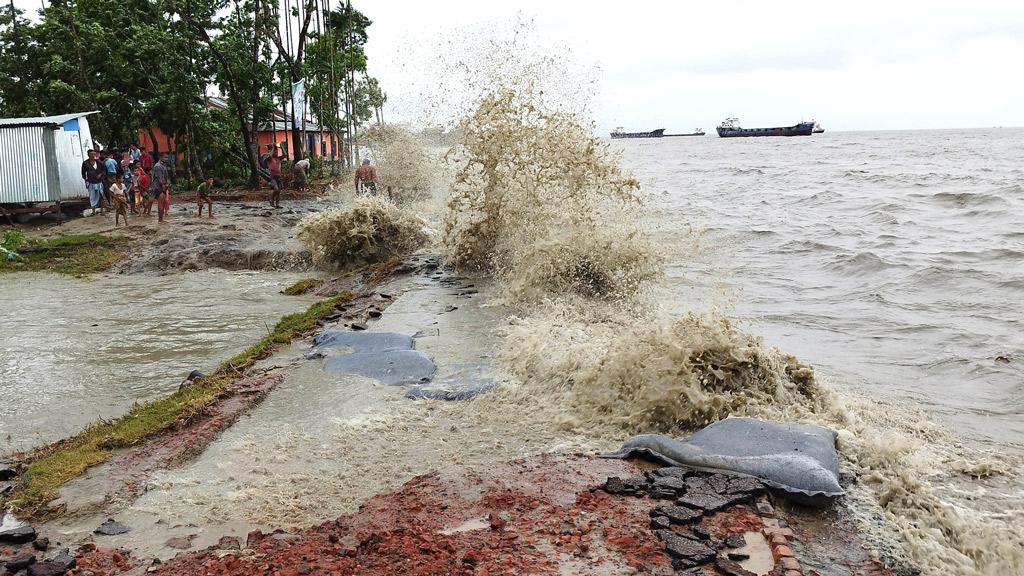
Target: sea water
<point x="892" y="260"/>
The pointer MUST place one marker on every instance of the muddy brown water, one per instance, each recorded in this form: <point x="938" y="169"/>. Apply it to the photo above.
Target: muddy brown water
<point x="77" y="350"/>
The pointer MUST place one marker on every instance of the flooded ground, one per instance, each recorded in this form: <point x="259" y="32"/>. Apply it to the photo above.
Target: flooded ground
<point x="77" y="350"/>
<point x="296" y="459"/>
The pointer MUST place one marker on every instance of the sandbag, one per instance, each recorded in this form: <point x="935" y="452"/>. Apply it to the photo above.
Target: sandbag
<point x="799" y="459"/>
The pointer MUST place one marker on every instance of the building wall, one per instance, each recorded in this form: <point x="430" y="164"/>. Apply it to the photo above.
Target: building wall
<point x="264" y="137"/>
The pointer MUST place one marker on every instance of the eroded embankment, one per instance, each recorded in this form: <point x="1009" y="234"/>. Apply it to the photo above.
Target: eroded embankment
<point x="545" y="515"/>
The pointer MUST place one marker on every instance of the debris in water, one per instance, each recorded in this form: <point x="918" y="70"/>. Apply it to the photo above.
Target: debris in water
<point x="111" y="528"/>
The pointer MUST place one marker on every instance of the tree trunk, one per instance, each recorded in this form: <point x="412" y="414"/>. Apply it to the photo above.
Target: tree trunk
<point x="155" y="152"/>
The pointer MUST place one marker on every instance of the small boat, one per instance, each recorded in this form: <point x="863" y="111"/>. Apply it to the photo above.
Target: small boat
<point x="618" y="133"/>
<point x="817" y="129"/>
<point x="730" y="128"/>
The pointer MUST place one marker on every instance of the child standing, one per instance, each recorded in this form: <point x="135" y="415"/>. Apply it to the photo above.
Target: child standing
<point x="145" y="199"/>
<point x="120" y="204"/>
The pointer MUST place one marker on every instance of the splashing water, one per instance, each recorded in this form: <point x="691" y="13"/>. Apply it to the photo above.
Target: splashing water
<point x="542" y="204"/>
<point x="404" y="165"/>
<point x="371" y="230"/>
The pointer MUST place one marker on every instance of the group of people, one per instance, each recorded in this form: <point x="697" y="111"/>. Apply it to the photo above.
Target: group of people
<point x="128" y="181"/>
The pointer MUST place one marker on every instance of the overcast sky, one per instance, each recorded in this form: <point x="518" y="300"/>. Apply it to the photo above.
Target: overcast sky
<point x="851" y="65"/>
<point x="683" y="64"/>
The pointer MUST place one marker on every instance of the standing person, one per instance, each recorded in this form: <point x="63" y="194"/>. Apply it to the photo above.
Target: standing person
<point x="117" y="194"/>
<point x="146" y="160"/>
<point x="92" y="173"/>
<point x="161" y="187"/>
<point x="128" y="176"/>
<point x="366" y="178"/>
<point x="205" y="194"/>
<point x="274" y="168"/>
<point x="134" y="153"/>
<point x="143" y="195"/>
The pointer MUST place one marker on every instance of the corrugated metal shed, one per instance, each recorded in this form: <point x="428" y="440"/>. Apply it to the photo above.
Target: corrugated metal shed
<point x="58" y="120"/>
<point x="42" y="161"/>
<point x="28" y="167"/>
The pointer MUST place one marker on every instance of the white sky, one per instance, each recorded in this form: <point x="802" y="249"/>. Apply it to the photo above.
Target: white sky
<point x="852" y="65"/>
<point x="676" y="64"/>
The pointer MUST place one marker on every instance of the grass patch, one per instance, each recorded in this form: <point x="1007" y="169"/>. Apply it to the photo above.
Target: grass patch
<point x="303" y="286"/>
<point x="74" y="254"/>
<point x="54" y="465"/>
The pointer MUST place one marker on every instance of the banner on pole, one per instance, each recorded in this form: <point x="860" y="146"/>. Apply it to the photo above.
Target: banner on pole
<point x="299" y="100"/>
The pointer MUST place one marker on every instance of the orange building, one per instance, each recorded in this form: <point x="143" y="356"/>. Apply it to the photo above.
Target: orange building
<point x="317" y="141"/>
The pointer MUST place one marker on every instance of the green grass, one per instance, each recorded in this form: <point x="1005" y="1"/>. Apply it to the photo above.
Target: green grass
<point x="303" y="286"/>
<point x="54" y="465"/>
<point x="74" y="254"/>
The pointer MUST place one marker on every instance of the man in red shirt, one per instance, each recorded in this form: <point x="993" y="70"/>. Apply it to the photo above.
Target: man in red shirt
<point x="274" y="168"/>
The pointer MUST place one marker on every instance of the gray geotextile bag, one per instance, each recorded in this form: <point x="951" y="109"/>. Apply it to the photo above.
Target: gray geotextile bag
<point x="799" y="459"/>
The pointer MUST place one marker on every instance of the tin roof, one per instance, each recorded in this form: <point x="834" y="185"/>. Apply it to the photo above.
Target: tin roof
<point x="44" y="120"/>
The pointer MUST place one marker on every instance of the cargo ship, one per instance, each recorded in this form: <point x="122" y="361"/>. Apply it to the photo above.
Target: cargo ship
<point x="659" y="133"/>
<point x="730" y="128"/>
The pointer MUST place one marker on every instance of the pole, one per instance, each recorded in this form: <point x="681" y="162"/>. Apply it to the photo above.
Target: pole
<point x="291" y="89"/>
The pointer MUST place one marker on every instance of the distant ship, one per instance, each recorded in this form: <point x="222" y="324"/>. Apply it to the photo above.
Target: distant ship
<point x="730" y="128"/>
<point x="659" y="133"/>
<point x="817" y="129"/>
<point x="618" y="133"/>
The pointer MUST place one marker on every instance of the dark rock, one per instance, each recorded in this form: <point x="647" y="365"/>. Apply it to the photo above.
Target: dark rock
<point x="229" y="543"/>
<point x="674" y="471"/>
<point x="745" y="485"/>
<point x="7" y="471"/>
<point x="661" y="494"/>
<point x="660" y="523"/>
<point x="708" y="501"/>
<point x="730" y="568"/>
<point x="303" y="569"/>
<point x="616" y="485"/>
<point x="677" y="514"/>
<point x="195" y="375"/>
<point x="765" y="509"/>
<point x="41" y="544"/>
<point x="374" y="313"/>
<point x="64" y="559"/>
<point x="737" y="556"/>
<point x="253" y="538"/>
<point x="689" y="552"/>
<point x="18" y="535"/>
<point x="736" y="541"/>
<point x="358" y="326"/>
<point x="111" y="528"/>
<point x="700" y="532"/>
<point x="19" y="561"/>
<point x="669" y="483"/>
